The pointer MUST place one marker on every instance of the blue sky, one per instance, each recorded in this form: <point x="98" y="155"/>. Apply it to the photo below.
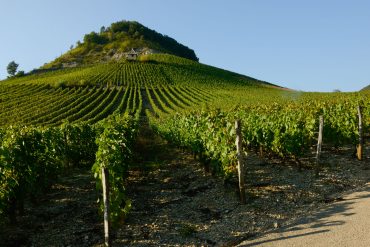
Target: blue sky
<point x="304" y="45"/>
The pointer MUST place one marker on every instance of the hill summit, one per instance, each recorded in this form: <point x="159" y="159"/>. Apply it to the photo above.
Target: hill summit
<point x="120" y="39"/>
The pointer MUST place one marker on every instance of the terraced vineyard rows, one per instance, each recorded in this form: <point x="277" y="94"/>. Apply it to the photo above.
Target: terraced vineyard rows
<point x="153" y="70"/>
<point x="49" y="106"/>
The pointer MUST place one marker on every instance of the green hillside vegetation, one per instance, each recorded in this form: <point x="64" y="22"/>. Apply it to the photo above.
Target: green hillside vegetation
<point x="366" y="88"/>
<point x="118" y="38"/>
<point x="153" y="69"/>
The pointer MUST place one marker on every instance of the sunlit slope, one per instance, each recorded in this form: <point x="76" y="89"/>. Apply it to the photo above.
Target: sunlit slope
<point x="151" y="70"/>
<point x="42" y="104"/>
<point x="159" y="83"/>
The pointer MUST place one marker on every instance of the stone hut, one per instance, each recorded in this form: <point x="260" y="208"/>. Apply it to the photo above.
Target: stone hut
<point x="132" y="55"/>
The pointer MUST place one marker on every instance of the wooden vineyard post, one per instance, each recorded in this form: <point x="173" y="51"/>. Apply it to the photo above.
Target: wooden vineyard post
<point x="319" y="139"/>
<point x="240" y="161"/>
<point x="105" y="181"/>
<point x="360" y="134"/>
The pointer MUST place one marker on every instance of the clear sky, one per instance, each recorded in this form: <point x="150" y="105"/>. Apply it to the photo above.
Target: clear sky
<point x="315" y="45"/>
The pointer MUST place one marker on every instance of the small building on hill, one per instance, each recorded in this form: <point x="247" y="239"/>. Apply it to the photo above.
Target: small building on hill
<point x="132" y="55"/>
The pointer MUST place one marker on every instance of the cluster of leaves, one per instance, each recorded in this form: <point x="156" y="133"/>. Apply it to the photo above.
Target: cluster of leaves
<point x="287" y="131"/>
<point x="208" y="134"/>
<point x="31" y="158"/>
<point x="79" y="147"/>
<point x="12" y="69"/>
<point x="115" y="141"/>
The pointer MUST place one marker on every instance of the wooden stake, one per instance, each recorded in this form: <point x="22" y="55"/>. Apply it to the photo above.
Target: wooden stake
<point x="105" y="181"/>
<point x="240" y="161"/>
<point x="360" y="134"/>
<point x="319" y="140"/>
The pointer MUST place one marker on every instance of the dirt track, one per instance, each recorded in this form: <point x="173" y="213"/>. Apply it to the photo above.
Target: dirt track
<point x="344" y="223"/>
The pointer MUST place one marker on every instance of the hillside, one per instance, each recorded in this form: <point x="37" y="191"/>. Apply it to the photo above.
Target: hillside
<point x="129" y="54"/>
<point x="162" y="83"/>
<point x="153" y="69"/>
<point x="115" y="41"/>
<point x="366" y="88"/>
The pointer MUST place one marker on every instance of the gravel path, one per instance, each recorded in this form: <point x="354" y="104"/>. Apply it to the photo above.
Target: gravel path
<point x="343" y="223"/>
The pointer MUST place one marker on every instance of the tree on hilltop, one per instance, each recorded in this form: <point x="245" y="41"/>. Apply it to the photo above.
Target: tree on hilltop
<point x="12" y="68"/>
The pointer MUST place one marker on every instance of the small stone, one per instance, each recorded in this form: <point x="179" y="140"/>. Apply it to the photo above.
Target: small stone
<point x="86" y="237"/>
<point x="276" y="225"/>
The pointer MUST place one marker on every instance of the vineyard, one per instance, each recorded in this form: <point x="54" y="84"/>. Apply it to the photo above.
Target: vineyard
<point x="50" y="121"/>
<point x="286" y="130"/>
<point x="43" y="105"/>
<point x="152" y="70"/>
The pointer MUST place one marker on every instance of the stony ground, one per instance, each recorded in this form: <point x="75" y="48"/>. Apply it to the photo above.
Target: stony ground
<point x="65" y="216"/>
<point x="176" y="204"/>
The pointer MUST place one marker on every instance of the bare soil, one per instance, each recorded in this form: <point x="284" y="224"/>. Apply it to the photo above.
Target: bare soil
<point x="67" y="215"/>
<point x="176" y="204"/>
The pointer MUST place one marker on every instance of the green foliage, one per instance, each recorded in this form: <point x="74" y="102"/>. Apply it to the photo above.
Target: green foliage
<point x="120" y="37"/>
<point x="50" y="106"/>
<point x="155" y="69"/>
<point x="29" y="162"/>
<point x="31" y="158"/>
<point x="79" y="147"/>
<point x="135" y="30"/>
<point x="206" y="133"/>
<point x="20" y="73"/>
<point x="94" y="38"/>
<point x="12" y="68"/>
<point x="60" y="84"/>
<point x="114" y="153"/>
<point x="286" y="129"/>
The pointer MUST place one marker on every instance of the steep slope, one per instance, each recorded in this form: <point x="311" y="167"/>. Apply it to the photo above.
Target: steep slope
<point x="160" y="83"/>
<point x="148" y="70"/>
<point x="129" y="54"/>
<point x="93" y="89"/>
